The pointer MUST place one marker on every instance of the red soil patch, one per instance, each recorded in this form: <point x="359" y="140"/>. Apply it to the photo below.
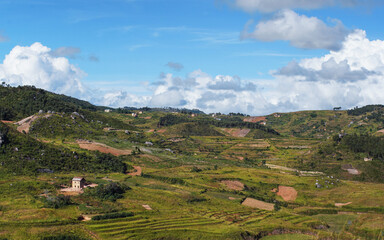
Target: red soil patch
<point x="287" y="193"/>
<point x="233" y="185"/>
<point x="237" y="132"/>
<point x="137" y="172"/>
<point x="254" y="119"/>
<point x="3" y="121"/>
<point x="94" y="146"/>
<point x="253" y="203"/>
<point x="161" y="130"/>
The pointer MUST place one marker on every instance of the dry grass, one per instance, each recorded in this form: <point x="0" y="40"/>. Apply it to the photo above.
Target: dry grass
<point x="253" y="203"/>
<point x="233" y="185"/>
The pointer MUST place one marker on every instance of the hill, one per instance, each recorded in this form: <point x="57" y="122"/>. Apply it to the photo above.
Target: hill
<point x="301" y="175"/>
<point x="22" y="154"/>
<point x="23" y="101"/>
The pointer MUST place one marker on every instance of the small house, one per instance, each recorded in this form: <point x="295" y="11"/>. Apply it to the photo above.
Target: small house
<point x="78" y="183"/>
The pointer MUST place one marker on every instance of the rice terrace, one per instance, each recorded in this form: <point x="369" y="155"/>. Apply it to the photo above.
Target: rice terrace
<point x="191" y="120"/>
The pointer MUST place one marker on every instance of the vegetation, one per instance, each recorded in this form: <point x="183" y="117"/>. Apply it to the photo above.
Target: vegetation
<point x="112" y="216"/>
<point x="192" y="173"/>
<point x="111" y="191"/>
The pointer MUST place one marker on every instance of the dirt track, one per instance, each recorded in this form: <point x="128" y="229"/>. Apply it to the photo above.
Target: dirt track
<point x="94" y="146"/>
<point x="253" y="203"/>
<point x="287" y="193"/>
<point x="25" y="124"/>
<point x="233" y="185"/>
<point x="342" y="204"/>
<point x="137" y="172"/>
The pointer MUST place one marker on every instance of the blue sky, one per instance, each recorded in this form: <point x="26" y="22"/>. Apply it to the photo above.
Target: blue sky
<point x="197" y="53"/>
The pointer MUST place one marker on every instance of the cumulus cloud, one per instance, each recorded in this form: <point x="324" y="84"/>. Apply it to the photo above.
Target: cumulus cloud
<point x="349" y="77"/>
<point x="301" y="31"/>
<point x="70" y="52"/>
<point x="35" y="65"/>
<point x="275" y="5"/>
<point x="121" y="99"/>
<point x="175" y="66"/>
<point x="212" y="94"/>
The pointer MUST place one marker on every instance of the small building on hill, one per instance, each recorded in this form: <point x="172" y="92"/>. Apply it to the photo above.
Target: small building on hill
<point x="78" y="183"/>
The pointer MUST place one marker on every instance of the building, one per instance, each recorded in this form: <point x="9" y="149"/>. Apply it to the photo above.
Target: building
<point x="78" y="183"/>
<point x="108" y="110"/>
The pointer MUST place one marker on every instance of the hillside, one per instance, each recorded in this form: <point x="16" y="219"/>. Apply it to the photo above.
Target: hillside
<point x="22" y="154"/>
<point x="155" y="174"/>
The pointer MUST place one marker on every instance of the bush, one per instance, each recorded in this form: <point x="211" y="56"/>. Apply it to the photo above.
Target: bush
<point x="57" y="202"/>
<point x="113" y="216"/>
<point x="311" y="212"/>
<point x="63" y="237"/>
<point x="112" y="191"/>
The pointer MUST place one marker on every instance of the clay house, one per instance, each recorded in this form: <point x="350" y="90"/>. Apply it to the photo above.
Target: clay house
<point x="78" y="183"/>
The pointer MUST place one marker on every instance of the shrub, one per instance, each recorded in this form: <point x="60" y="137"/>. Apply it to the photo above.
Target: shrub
<point x="113" y="216"/>
<point x="111" y="191"/>
<point x="57" y="202"/>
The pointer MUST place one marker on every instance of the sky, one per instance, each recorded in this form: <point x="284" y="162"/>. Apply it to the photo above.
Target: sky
<point x="250" y="56"/>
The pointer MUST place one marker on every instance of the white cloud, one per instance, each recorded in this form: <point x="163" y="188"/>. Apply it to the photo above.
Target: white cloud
<point x="349" y="77"/>
<point x="35" y="65"/>
<point x="122" y="99"/>
<point x="275" y="5"/>
<point x="211" y="94"/>
<point x="301" y="31"/>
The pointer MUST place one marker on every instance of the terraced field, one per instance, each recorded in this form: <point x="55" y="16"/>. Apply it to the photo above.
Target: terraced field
<point x="138" y="228"/>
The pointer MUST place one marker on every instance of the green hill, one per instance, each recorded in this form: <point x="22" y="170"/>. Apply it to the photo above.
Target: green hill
<point x="23" y="101"/>
<point x="22" y="154"/>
